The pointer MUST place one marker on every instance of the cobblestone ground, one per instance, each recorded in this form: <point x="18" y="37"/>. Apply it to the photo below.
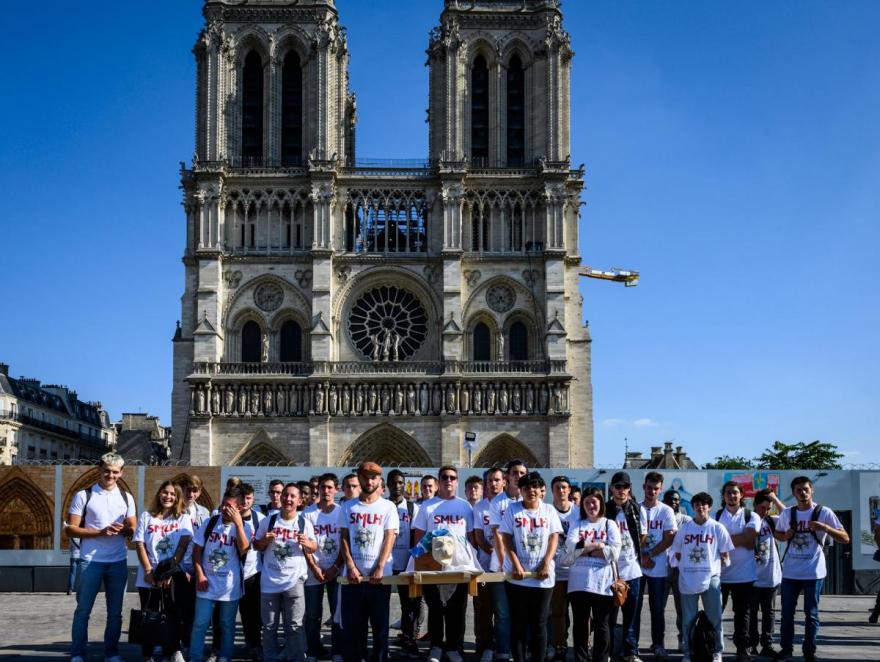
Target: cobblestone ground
<point x="36" y="626"/>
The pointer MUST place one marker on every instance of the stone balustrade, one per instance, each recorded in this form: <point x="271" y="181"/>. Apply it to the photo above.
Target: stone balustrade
<point x="397" y="368"/>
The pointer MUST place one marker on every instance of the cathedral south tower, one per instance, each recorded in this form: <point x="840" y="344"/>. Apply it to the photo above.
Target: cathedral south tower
<point x="337" y="310"/>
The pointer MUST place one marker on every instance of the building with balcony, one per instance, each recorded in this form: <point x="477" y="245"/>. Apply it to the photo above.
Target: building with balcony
<point x="142" y="439"/>
<point x="46" y="422"/>
<point x="335" y="308"/>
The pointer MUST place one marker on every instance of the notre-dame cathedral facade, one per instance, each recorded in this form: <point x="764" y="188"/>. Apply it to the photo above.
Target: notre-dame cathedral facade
<point x="337" y="309"/>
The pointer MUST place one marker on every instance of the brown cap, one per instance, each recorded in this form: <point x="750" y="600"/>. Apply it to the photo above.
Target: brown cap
<point x="369" y="468"/>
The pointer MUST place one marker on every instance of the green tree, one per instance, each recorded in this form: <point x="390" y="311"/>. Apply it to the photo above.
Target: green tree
<point x="730" y="462"/>
<point x="802" y="455"/>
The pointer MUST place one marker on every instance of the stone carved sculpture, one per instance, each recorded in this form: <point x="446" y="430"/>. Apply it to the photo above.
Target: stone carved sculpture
<point x="399" y="399"/>
<point x="436" y="399"/>
<point x="267" y="402"/>
<point x="372" y="399"/>
<point x="516" y="399"/>
<point x="346" y="400"/>
<point x="215" y="401"/>
<point x="503" y="403"/>
<point x="423" y="399"/>
<point x="319" y="400"/>
<point x="229" y="404"/>
<point x="464" y="397"/>
<point x="200" y="401"/>
<point x="411" y="399"/>
<point x="265" y="348"/>
<point x="490" y="399"/>
<point x="450" y="398"/>
<point x="359" y="399"/>
<point x="478" y="399"/>
<point x="386" y="399"/>
<point x="530" y="399"/>
<point x="557" y="399"/>
<point x="334" y="400"/>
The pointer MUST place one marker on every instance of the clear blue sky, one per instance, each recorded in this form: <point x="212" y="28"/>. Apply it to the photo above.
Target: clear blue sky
<point x="732" y="154"/>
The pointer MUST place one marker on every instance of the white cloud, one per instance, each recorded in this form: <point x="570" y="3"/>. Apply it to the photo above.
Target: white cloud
<point x="645" y="423"/>
<point x="636" y="423"/>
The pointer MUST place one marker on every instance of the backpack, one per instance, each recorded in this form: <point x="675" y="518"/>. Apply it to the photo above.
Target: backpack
<point x="792" y="525"/>
<point x="748" y="515"/>
<point x="702" y="642"/>
<point x="772" y="526"/>
<point x="633" y="522"/>
<point x="300" y="524"/>
<point x="241" y="557"/>
<point x="89" y="496"/>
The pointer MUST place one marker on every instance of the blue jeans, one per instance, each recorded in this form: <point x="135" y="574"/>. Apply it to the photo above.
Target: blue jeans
<point x="314" y="615"/>
<point x="73" y="575"/>
<point x="630" y="637"/>
<point x="501" y="607"/>
<point x="711" y="599"/>
<point x="656" y="589"/>
<point x="201" y="621"/>
<point x="791" y="589"/>
<point x="115" y="577"/>
<point x="361" y="603"/>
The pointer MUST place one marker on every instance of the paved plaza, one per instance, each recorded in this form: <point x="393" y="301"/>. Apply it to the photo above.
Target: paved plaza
<point x="36" y="626"/>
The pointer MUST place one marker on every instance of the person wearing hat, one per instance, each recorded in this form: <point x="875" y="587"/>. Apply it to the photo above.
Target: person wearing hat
<point x="369" y="526"/>
<point x="630" y="517"/>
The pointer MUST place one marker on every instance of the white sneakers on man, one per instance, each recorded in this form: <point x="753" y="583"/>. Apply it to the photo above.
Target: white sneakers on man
<point x="716" y="657"/>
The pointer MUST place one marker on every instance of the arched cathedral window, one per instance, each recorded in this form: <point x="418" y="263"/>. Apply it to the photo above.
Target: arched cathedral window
<point x="482" y="343"/>
<point x="516" y="112"/>
<point x="480" y="110"/>
<point x="252" y="109"/>
<point x="518" y="341"/>
<point x="291" y="342"/>
<point x="291" y="111"/>
<point x="251" y="343"/>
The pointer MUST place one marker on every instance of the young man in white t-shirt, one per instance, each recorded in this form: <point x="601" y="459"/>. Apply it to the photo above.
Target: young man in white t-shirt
<point x="484" y="616"/>
<point x="102" y="517"/>
<point x="806" y="527"/>
<point x="369" y="526"/>
<point x="769" y="575"/>
<point x="623" y="509"/>
<point x="530" y="534"/>
<point x="567" y="512"/>
<point x="446" y="511"/>
<point x="324" y="566"/>
<point x="700" y="548"/>
<point x="659" y="536"/>
<point x="283" y="539"/>
<point x="673" y="499"/>
<point x="739" y="577"/>
<point x="513" y="471"/>
<point x="406" y="513"/>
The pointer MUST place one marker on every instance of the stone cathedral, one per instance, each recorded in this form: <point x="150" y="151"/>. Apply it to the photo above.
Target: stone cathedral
<point x="337" y="309"/>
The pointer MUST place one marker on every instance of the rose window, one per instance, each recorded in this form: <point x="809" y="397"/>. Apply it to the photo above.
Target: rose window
<point x="388" y="323"/>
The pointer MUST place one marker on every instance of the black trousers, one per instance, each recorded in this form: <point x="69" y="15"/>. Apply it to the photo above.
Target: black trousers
<point x="409" y="612"/>
<point x="449" y="618"/>
<point x="150" y="596"/>
<point x="762" y="599"/>
<point x="740" y="595"/>
<point x="596" y="610"/>
<point x="185" y="604"/>
<point x="529" y="612"/>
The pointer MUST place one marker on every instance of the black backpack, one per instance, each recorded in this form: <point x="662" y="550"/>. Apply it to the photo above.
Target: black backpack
<point x="747" y="513"/>
<point x="702" y="639"/>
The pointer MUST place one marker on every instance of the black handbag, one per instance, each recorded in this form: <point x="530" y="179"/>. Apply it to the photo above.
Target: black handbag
<point x="148" y="625"/>
<point x="877" y="555"/>
<point x="165" y="570"/>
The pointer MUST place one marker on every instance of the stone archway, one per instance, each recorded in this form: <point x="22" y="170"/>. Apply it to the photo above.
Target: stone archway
<point x="386" y="445"/>
<point x="85" y="481"/>
<point x="260" y="450"/>
<point x="25" y="514"/>
<point x="501" y="450"/>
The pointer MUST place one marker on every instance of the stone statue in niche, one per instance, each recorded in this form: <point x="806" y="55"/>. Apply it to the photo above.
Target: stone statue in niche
<point x="230" y="401"/>
<point x="386" y="346"/>
<point x="319" y="400"/>
<point x="280" y="401"/>
<point x="267" y="402"/>
<point x="255" y="401"/>
<point x="399" y="399"/>
<point x="465" y="398"/>
<point x="346" y="400"/>
<point x="411" y="399"/>
<point x="215" y="401"/>
<point x="200" y="401"/>
<point x="450" y="398"/>
<point x="490" y="399"/>
<point x="516" y="400"/>
<point x="242" y="401"/>
<point x="265" y="348"/>
<point x="530" y="399"/>
<point x="395" y="345"/>
<point x="334" y="400"/>
<point x="503" y="404"/>
<point x="359" y="399"/>
<point x="501" y="356"/>
<point x="564" y="399"/>
<point x="543" y="398"/>
<point x="557" y="399"/>
<point x="372" y="398"/>
<point x="478" y="399"/>
<point x="386" y="398"/>
<point x="423" y="399"/>
<point x="377" y="346"/>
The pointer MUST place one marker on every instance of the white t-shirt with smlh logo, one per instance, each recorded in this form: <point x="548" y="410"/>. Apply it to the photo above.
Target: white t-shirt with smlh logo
<point x="629" y="565"/>
<point x="531" y="531"/>
<point x="160" y="538"/>
<point x="567" y="520"/>
<point x="198" y="515"/>
<point x="805" y="559"/>
<point x="497" y="507"/>
<point x="105" y="507"/>
<point x="284" y="563"/>
<point x="326" y="526"/>
<point x="367" y="524"/>
<point x="767" y="556"/>
<point x="660" y="519"/>
<point x="742" y="566"/>
<point x="590" y="573"/>
<point x="481" y="522"/>
<point x="700" y="547"/>
<point x="220" y="561"/>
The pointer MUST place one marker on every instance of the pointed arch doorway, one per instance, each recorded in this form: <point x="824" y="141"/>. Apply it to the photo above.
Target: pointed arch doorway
<point x="501" y="450"/>
<point x="388" y="446"/>
<point x="260" y="450"/>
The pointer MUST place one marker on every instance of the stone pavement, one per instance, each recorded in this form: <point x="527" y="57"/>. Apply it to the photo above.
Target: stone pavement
<point x="36" y="626"/>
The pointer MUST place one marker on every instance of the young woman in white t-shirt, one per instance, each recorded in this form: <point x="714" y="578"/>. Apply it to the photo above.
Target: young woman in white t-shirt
<point x="163" y="534"/>
<point x="529" y="534"/>
<point x="591" y="547"/>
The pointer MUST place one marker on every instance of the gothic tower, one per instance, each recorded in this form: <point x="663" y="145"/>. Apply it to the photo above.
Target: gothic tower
<point x="336" y="310"/>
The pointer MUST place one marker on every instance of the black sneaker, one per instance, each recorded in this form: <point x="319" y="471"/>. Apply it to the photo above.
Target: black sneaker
<point x="871" y="619"/>
<point x="769" y="651"/>
<point x="785" y="656"/>
<point x="410" y="649"/>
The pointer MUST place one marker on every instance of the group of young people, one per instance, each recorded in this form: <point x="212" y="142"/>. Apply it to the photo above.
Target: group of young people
<point x="274" y="564"/>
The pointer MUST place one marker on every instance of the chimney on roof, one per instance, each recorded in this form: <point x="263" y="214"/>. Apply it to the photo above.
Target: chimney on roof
<point x="4" y="369"/>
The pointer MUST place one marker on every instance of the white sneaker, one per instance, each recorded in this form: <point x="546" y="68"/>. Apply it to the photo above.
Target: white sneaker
<point x="178" y="657"/>
<point x="435" y="655"/>
<point x="395" y="625"/>
<point x="488" y="655"/>
<point x="716" y="657"/>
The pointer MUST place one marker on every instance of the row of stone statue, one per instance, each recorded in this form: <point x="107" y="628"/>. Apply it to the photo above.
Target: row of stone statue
<point x="374" y="399"/>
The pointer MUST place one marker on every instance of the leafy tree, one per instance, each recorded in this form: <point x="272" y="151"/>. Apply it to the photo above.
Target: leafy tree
<point x="730" y="462"/>
<point x="802" y="455"/>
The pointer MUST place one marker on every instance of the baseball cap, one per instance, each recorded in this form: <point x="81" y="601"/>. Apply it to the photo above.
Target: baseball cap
<point x="621" y="477"/>
<point x="369" y="468"/>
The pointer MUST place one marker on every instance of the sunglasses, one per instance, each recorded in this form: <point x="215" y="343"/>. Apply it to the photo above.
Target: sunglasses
<point x="448" y="477"/>
<point x="621" y="486"/>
